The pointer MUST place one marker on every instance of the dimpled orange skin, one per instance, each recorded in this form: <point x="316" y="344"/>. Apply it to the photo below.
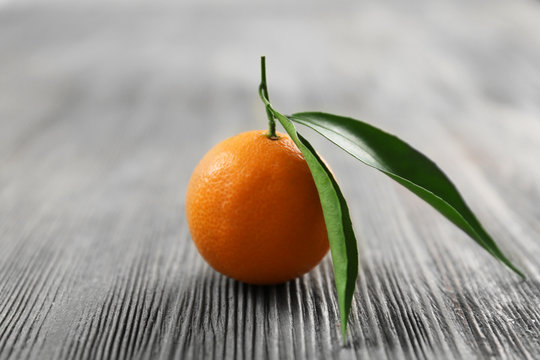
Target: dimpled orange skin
<point x="253" y="210"/>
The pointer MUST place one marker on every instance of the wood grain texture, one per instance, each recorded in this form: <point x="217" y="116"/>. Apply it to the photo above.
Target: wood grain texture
<point x="105" y="108"/>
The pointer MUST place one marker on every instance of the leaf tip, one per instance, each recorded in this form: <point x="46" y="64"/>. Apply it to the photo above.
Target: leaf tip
<point x="517" y="271"/>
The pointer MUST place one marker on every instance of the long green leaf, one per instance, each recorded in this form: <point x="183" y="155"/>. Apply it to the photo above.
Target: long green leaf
<point x="338" y="223"/>
<point x="405" y="165"/>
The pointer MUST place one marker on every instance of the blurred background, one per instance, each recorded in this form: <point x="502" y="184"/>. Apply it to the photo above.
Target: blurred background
<point x="107" y="106"/>
<point x="88" y="80"/>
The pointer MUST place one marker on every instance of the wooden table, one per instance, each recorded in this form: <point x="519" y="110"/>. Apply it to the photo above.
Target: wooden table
<point x="105" y="108"/>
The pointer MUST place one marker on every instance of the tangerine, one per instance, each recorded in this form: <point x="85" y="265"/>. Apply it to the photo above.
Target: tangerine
<point x="253" y="210"/>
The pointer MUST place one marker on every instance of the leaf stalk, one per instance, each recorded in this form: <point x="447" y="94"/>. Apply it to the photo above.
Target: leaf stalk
<point x="263" y="93"/>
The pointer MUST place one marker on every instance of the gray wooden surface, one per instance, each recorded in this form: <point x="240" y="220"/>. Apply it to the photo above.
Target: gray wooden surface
<point x="105" y="108"/>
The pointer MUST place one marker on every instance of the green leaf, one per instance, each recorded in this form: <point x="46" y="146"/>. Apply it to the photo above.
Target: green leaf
<point x="405" y="165"/>
<point x="338" y="223"/>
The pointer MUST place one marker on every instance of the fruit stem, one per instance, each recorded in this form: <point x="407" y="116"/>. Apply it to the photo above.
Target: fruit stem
<point x="263" y="93"/>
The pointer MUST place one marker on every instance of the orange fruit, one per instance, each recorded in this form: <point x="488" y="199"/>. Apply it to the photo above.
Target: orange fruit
<point x="253" y="210"/>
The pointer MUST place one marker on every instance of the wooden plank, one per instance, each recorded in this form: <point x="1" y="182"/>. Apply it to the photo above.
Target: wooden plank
<point x="106" y="109"/>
